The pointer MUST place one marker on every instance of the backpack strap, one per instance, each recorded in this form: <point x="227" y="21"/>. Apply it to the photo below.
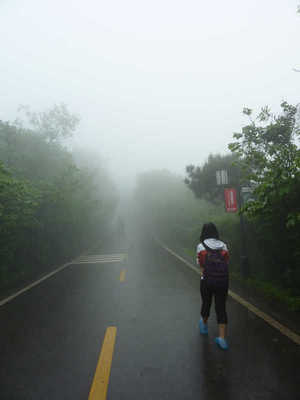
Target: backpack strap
<point x="209" y="249"/>
<point x="213" y="251"/>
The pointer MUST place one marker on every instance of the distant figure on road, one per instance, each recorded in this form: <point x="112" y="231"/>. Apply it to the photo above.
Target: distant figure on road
<point x="213" y="258"/>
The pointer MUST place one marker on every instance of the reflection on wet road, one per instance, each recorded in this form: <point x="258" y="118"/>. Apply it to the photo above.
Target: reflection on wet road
<point x="52" y="336"/>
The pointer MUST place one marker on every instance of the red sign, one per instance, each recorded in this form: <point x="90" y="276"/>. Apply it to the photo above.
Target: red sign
<point x="230" y="200"/>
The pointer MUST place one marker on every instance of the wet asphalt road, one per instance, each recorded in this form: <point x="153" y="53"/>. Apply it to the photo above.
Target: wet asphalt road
<point x="51" y="337"/>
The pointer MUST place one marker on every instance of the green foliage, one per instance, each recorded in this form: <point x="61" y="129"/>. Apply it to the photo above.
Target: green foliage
<point x="51" y="207"/>
<point x="202" y="179"/>
<point x="270" y="159"/>
<point x="29" y="156"/>
<point x="271" y="291"/>
<point x="165" y="205"/>
<point x="55" y="124"/>
<point x="18" y="205"/>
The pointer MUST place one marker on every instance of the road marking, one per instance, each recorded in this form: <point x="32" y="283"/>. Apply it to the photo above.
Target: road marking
<point x="101" y="378"/>
<point x="98" y="262"/>
<point x="122" y="275"/>
<point x="267" y="318"/>
<point x="85" y="259"/>
<point x="96" y="256"/>
<point x="7" y="299"/>
<point x="283" y="329"/>
<point x="100" y="258"/>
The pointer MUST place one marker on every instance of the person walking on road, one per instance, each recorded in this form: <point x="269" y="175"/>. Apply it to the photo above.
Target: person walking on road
<point x="213" y="258"/>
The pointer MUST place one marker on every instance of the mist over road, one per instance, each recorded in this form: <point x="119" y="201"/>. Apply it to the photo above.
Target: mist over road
<point x="117" y="120"/>
<point x="51" y="335"/>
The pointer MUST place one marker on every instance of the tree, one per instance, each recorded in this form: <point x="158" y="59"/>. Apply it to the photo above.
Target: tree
<point x="270" y="157"/>
<point x="8" y="139"/>
<point x="28" y="155"/>
<point x="55" y="124"/>
<point x="18" y="204"/>
<point x="202" y="179"/>
<point x="51" y="208"/>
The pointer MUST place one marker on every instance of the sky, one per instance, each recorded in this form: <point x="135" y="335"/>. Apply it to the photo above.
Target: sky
<point x="158" y="84"/>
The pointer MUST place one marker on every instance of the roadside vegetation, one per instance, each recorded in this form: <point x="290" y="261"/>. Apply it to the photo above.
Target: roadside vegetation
<point x="54" y="203"/>
<point x="266" y="157"/>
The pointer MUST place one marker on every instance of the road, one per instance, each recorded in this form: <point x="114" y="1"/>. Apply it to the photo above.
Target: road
<point x="51" y="336"/>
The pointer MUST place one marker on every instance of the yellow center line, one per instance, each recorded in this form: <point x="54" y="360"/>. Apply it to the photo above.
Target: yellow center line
<point x="101" y="377"/>
<point x="122" y="275"/>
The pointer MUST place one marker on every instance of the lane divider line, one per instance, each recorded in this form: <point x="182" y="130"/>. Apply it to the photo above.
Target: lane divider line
<point x="122" y="275"/>
<point x="7" y="299"/>
<point x="101" y="378"/>
<point x="267" y="318"/>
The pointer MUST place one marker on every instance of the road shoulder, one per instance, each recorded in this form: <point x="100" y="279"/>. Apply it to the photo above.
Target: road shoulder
<point x="273" y="308"/>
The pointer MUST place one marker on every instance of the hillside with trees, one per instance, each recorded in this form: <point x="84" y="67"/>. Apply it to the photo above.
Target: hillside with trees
<point x="53" y="204"/>
<point x="265" y="157"/>
<point x="269" y="154"/>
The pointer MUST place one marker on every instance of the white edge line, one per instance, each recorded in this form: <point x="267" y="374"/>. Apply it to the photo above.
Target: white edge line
<point x="271" y="321"/>
<point x="7" y="299"/>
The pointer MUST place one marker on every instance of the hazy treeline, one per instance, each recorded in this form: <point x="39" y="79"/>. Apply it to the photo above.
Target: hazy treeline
<point x="265" y="156"/>
<point x="169" y="207"/>
<point x="202" y="179"/>
<point x="53" y="204"/>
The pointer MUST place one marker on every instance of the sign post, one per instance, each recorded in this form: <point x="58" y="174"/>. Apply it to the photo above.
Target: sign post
<point x="245" y="268"/>
<point x="246" y="193"/>
<point x="234" y="200"/>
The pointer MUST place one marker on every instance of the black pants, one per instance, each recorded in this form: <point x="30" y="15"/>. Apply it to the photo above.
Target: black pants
<point x="220" y="295"/>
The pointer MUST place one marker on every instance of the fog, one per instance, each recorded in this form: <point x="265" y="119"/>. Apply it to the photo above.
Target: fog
<point x="107" y="111"/>
<point x="157" y="84"/>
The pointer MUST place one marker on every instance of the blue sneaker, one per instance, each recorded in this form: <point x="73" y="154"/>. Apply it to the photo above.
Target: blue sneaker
<point x="222" y="343"/>
<point x="203" y="327"/>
